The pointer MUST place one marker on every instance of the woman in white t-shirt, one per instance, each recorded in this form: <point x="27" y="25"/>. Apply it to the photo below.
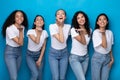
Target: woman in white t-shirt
<point x="80" y="34"/>
<point x="36" y="47"/>
<point x="13" y="30"/>
<point x="102" y="59"/>
<point x="58" y="55"/>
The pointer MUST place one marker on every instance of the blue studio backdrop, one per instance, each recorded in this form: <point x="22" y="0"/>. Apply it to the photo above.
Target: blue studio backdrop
<point x="47" y="9"/>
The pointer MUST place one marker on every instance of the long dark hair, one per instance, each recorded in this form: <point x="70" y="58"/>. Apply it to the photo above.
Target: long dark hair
<point x="97" y="26"/>
<point x="11" y="20"/>
<point x="75" y="23"/>
<point x="34" y="26"/>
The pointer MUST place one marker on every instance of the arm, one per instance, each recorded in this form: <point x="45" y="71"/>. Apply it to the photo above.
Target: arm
<point x="104" y="41"/>
<point x="19" y="40"/>
<point x="36" y="39"/>
<point x="111" y="59"/>
<point x="81" y="37"/>
<point x="38" y="62"/>
<point x="60" y="35"/>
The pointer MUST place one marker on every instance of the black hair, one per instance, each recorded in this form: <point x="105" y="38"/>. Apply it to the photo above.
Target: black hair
<point x="97" y="26"/>
<point x="75" y="23"/>
<point x="11" y="20"/>
<point x="59" y="10"/>
<point x="34" y="26"/>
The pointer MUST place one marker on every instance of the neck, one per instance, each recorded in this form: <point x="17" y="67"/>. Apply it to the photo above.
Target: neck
<point x="102" y="28"/>
<point x="60" y="23"/>
<point x="82" y="27"/>
<point x="17" y="25"/>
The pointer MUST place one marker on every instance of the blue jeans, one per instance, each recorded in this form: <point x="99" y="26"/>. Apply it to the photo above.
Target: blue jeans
<point x="99" y="65"/>
<point x="13" y="60"/>
<point x="58" y="60"/>
<point x="32" y="57"/>
<point x="79" y="65"/>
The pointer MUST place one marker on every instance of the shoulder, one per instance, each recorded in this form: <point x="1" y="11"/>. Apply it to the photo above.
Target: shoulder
<point x="72" y="29"/>
<point x="109" y="32"/>
<point x="31" y="31"/>
<point x="67" y="26"/>
<point x="11" y="27"/>
<point x="96" y="31"/>
<point x="52" y="25"/>
<point x="44" y="31"/>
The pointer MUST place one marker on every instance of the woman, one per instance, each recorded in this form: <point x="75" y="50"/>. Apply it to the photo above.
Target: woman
<point x="36" y="47"/>
<point x="13" y="30"/>
<point x="102" y="59"/>
<point x="58" y="56"/>
<point x="80" y="33"/>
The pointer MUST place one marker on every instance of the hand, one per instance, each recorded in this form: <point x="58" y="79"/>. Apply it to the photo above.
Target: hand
<point x="20" y="28"/>
<point x="110" y="63"/>
<point x="80" y="30"/>
<point x="38" y="63"/>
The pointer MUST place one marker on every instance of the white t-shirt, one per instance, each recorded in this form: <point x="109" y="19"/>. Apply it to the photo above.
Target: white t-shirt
<point x="54" y="30"/>
<point x="97" y="41"/>
<point x="77" y="47"/>
<point x="12" y="32"/>
<point x="32" y="46"/>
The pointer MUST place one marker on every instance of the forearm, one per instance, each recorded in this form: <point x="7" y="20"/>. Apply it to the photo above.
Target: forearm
<point x="20" y="38"/>
<point x="104" y="41"/>
<point x="61" y="35"/>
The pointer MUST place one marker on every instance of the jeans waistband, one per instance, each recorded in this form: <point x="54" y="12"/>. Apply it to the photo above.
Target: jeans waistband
<point x="59" y="50"/>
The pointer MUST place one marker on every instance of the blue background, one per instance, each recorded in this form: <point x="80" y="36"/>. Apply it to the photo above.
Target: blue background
<point x="47" y="8"/>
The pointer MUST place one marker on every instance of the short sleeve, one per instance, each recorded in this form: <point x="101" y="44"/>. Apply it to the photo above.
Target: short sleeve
<point x="96" y="39"/>
<point x="46" y="34"/>
<point x="112" y="38"/>
<point x="11" y="34"/>
<point x="74" y="33"/>
<point x="29" y="32"/>
<point x="52" y="29"/>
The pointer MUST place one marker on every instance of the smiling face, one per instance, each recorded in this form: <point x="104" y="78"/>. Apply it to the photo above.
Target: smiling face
<point x="60" y="16"/>
<point x="102" y="21"/>
<point x="19" y="18"/>
<point x="39" y="22"/>
<point x="81" y="19"/>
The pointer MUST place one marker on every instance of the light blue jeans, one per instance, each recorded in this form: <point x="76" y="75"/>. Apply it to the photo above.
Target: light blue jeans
<point x="32" y="57"/>
<point x="79" y="65"/>
<point x="13" y="60"/>
<point x="99" y="65"/>
<point x="58" y="60"/>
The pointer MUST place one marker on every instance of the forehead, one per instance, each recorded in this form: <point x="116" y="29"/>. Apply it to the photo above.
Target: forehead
<point x="80" y="14"/>
<point x="39" y="17"/>
<point x="102" y="16"/>
<point x="19" y="13"/>
<point x="60" y="11"/>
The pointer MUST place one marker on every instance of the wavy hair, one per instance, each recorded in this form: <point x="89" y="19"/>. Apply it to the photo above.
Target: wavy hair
<point x="11" y="20"/>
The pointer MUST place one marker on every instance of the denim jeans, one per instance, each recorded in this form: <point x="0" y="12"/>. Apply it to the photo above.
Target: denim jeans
<point x="79" y="65"/>
<point x="32" y="57"/>
<point x="58" y="60"/>
<point x="13" y="60"/>
<point x="99" y="65"/>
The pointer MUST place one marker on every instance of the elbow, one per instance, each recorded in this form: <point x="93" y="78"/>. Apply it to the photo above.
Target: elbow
<point x="84" y="43"/>
<point x="104" y="46"/>
<point x="37" y="42"/>
<point x="20" y="44"/>
<point x="61" y="41"/>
